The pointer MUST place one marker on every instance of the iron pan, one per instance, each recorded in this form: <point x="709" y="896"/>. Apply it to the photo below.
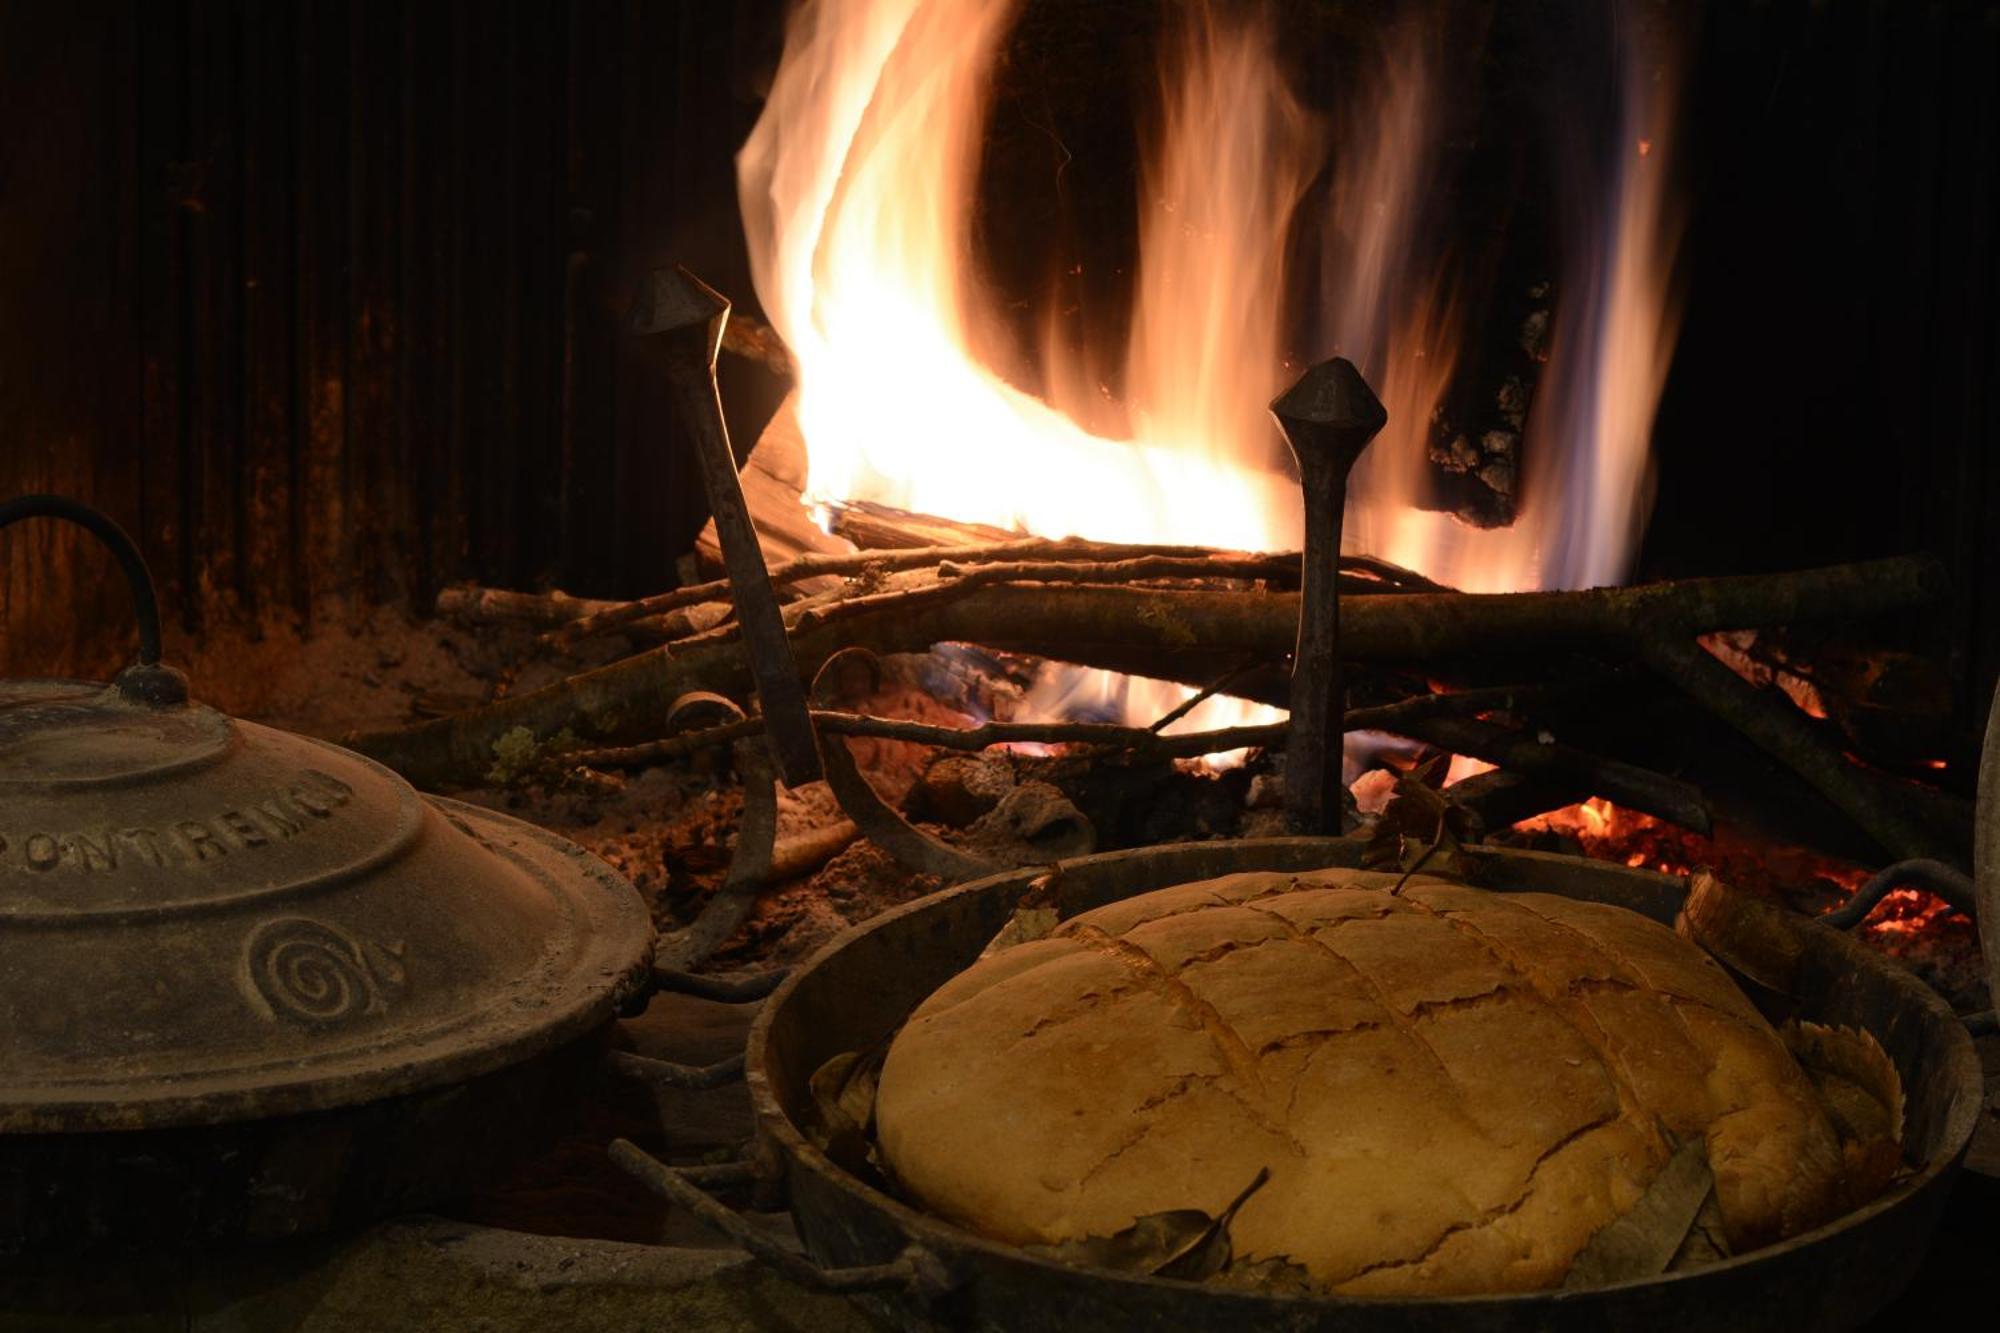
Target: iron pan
<point x="257" y="1181"/>
<point x="442" y="1130"/>
<point x="863" y="985"/>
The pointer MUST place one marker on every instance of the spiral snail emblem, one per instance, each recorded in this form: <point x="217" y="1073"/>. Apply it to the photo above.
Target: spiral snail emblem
<point x="313" y="974"/>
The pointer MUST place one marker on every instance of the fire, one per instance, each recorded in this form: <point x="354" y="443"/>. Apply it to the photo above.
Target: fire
<point x="858" y="197"/>
<point x="858" y="190"/>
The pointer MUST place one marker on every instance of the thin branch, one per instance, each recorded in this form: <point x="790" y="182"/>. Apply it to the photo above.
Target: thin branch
<point x="670" y="747"/>
<point x="1774" y="725"/>
<point x="1103" y="562"/>
<point x="1629" y="785"/>
<point x="1202" y="696"/>
<point x="1427" y="718"/>
<point x="627" y="700"/>
<point x="1140" y="740"/>
<point x="603" y="616"/>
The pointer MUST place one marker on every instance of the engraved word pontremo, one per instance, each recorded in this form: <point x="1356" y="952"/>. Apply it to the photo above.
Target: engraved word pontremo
<point x="247" y="826"/>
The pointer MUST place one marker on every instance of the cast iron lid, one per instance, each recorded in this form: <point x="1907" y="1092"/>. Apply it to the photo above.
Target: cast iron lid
<point x="205" y="920"/>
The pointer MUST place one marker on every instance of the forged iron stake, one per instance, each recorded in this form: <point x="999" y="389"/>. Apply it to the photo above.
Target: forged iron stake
<point x="685" y="317"/>
<point x="1328" y="418"/>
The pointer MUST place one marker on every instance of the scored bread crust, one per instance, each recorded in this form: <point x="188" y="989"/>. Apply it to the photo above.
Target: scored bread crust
<point x="1452" y="1088"/>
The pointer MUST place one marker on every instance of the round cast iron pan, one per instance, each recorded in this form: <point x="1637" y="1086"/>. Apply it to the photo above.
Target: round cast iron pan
<point x="863" y="985"/>
<point x="274" y="1177"/>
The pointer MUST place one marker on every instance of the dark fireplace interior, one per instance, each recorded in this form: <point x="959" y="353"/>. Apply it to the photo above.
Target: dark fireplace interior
<point x="359" y="319"/>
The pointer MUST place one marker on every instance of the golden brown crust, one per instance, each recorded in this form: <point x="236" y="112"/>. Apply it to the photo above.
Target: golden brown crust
<point x="1453" y="1089"/>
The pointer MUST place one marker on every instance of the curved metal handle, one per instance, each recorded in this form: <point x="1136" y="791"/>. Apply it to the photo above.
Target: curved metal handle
<point x="1976" y="896"/>
<point x="150" y="681"/>
<point x="907" y="1272"/>
<point x="1947" y="882"/>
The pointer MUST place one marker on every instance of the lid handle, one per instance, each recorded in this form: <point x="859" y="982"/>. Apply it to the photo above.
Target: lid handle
<point x="150" y="681"/>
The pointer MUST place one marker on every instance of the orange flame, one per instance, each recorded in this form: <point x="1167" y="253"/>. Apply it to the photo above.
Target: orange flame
<point x="858" y="187"/>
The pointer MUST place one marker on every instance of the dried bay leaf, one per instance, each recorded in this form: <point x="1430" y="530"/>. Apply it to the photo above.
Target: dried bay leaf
<point x="1278" y="1275"/>
<point x="843" y="1107"/>
<point x="1856" y="1078"/>
<point x="1706" y="1242"/>
<point x="1184" y="1243"/>
<point x="1421" y="827"/>
<point x="1862" y="1094"/>
<point x="1027" y="925"/>
<point x="1148" y="1245"/>
<point x="1210" y="1253"/>
<point x="1645" y="1240"/>
<point x="1035" y="916"/>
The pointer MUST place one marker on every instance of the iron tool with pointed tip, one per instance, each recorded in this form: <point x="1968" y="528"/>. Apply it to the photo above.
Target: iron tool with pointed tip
<point x="684" y="317"/>
<point x="1328" y="416"/>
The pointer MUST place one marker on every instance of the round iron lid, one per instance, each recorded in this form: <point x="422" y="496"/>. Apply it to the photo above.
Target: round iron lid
<point x="206" y="920"/>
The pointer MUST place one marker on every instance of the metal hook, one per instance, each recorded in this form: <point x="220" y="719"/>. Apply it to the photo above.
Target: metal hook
<point x="149" y="681"/>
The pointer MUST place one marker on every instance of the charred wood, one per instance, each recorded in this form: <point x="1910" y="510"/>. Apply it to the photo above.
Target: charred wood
<point x="1771" y="722"/>
<point x="1565" y="766"/>
<point x="1501" y="798"/>
<point x="882" y="527"/>
<point x="626" y="700"/>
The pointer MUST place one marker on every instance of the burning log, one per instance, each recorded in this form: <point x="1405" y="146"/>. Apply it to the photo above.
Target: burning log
<point x="1770" y="721"/>
<point x="1476" y="433"/>
<point x="881" y="527"/>
<point x="1501" y="799"/>
<point x="1562" y="765"/>
<point x="626" y="700"/>
<point x="773" y="478"/>
<point x="752" y="340"/>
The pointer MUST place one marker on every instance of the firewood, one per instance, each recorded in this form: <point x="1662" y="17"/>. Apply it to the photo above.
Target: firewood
<point x="753" y="340"/>
<point x="558" y="613"/>
<point x="1770" y="721"/>
<point x="774" y="477"/>
<point x="1102" y="562"/>
<point x="883" y="527"/>
<point x="469" y="604"/>
<point x="1563" y="765"/>
<point x="626" y="700"/>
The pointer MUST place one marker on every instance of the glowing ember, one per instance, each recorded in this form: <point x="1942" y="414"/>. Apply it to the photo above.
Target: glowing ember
<point x="1908" y="924"/>
<point x="1733" y="648"/>
<point x="858" y="196"/>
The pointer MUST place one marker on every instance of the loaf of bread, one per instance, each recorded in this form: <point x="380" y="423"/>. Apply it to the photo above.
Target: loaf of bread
<point x="1453" y="1089"/>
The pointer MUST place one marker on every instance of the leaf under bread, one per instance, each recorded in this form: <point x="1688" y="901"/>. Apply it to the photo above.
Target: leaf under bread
<point x="1278" y="1275"/>
<point x="1036" y="913"/>
<point x="1184" y="1243"/>
<point x="1856" y="1077"/>
<point x="1862" y="1094"/>
<point x="1706" y="1241"/>
<point x="1645" y="1240"/>
<point x="843" y="1105"/>
<point x="1421" y="827"/>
